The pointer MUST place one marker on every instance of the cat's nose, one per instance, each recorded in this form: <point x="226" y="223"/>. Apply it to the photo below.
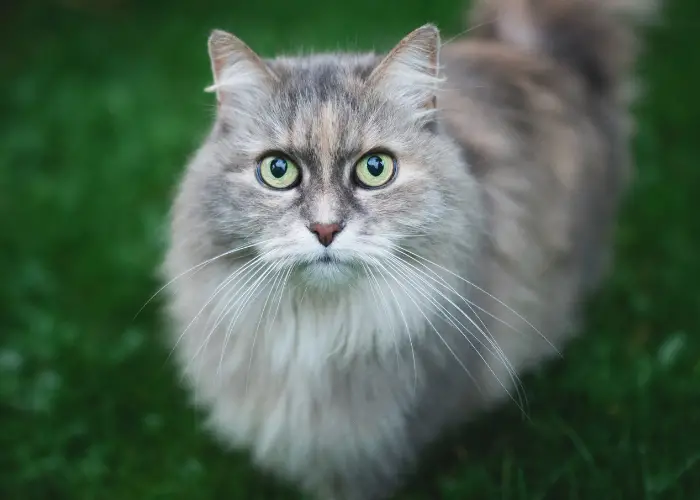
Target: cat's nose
<point x="325" y="232"/>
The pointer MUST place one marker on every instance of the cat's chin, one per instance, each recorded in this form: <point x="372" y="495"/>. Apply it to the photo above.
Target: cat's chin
<point x="327" y="273"/>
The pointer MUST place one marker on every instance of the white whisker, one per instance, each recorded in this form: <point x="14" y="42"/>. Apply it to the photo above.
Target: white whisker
<point x="278" y="273"/>
<point x="225" y="283"/>
<point x="376" y="293"/>
<point x="251" y="273"/>
<point x="476" y="287"/>
<point x="411" y="276"/>
<point x="408" y="329"/>
<point x="281" y="293"/>
<point x="229" y="296"/>
<point x="197" y="267"/>
<point x="439" y="280"/>
<point x="430" y="323"/>
<point x="472" y="305"/>
<point x="244" y="299"/>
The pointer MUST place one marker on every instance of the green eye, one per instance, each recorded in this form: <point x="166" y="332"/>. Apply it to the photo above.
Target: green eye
<point x="375" y="170"/>
<point x="278" y="172"/>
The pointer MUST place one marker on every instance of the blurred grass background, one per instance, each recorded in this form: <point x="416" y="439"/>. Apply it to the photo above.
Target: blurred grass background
<point x="101" y="103"/>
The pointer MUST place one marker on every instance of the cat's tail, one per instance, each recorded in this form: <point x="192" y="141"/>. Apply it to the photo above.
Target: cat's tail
<point x="596" y="38"/>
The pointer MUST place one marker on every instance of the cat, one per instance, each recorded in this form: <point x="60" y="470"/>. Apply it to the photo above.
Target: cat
<point x="369" y="249"/>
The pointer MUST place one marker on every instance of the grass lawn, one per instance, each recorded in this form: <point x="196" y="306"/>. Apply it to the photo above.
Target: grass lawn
<point x="101" y="103"/>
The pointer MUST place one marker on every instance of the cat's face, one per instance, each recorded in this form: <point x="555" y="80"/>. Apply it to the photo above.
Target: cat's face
<point x="332" y="163"/>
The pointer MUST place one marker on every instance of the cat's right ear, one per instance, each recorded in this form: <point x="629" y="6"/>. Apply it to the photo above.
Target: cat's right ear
<point x="240" y="75"/>
<point x="410" y="71"/>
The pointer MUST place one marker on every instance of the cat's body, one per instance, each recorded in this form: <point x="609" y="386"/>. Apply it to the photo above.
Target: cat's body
<point x="479" y="249"/>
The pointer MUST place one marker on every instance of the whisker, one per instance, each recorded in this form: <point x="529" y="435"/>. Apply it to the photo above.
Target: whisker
<point x="473" y="285"/>
<point x="376" y="293"/>
<point x="225" y="283"/>
<point x="229" y="296"/>
<point x="251" y="274"/>
<point x="464" y="32"/>
<point x="278" y="274"/>
<point x="197" y="267"/>
<point x="487" y="334"/>
<point x="439" y="280"/>
<point x="410" y="296"/>
<point x="244" y="299"/>
<point x="281" y="293"/>
<point x="463" y="329"/>
<point x="232" y="286"/>
<point x="279" y="269"/>
<point x="303" y="295"/>
<point x="472" y="305"/>
<point x="408" y="329"/>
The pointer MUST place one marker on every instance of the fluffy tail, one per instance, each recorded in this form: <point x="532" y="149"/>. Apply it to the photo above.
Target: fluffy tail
<point x="596" y="38"/>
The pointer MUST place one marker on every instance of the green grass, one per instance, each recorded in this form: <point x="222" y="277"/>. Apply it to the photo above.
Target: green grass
<point x="100" y="108"/>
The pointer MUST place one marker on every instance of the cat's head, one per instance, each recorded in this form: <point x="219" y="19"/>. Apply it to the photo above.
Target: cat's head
<point x="332" y="162"/>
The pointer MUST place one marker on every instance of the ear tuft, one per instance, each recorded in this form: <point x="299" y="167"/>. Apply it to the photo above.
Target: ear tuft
<point x="238" y="72"/>
<point x="410" y="70"/>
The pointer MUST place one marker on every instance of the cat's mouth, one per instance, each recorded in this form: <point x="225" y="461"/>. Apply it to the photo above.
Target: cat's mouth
<point x="327" y="269"/>
<point x="326" y="259"/>
<point x="323" y="261"/>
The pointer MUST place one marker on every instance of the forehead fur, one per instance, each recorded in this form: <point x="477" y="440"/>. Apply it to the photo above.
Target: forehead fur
<point x="324" y="105"/>
<point x="323" y="73"/>
<point x="314" y="101"/>
<point x="323" y="111"/>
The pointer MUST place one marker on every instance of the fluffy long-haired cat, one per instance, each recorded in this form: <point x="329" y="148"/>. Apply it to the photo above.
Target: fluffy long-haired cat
<point x="369" y="249"/>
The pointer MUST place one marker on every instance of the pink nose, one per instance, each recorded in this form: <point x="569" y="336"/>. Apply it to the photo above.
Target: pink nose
<point x="325" y="232"/>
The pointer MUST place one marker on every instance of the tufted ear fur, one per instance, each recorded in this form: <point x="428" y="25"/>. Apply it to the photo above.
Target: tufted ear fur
<point x="240" y="75"/>
<point x="410" y="71"/>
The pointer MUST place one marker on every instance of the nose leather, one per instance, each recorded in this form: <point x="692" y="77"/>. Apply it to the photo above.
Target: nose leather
<point x="325" y="232"/>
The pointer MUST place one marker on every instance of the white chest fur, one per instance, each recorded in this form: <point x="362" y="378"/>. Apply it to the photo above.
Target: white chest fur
<point x="321" y="380"/>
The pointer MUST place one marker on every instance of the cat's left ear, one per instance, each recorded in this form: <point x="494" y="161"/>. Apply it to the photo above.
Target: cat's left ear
<point x="410" y="70"/>
<point x="240" y="75"/>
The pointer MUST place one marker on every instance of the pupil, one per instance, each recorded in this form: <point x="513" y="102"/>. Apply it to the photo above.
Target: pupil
<point x="375" y="166"/>
<point x="278" y="167"/>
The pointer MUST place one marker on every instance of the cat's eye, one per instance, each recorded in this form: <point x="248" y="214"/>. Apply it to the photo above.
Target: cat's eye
<point x="278" y="172"/>
<point x="375" y="170"/>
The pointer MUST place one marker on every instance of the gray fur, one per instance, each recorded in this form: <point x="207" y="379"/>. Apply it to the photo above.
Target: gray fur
<point x="336" y="373"/>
